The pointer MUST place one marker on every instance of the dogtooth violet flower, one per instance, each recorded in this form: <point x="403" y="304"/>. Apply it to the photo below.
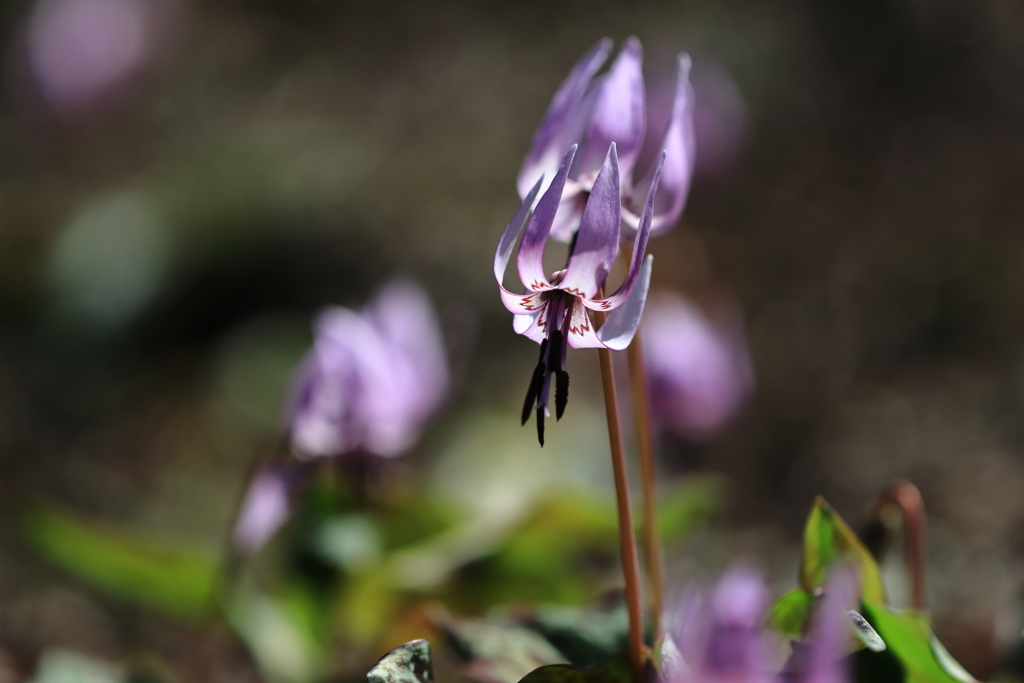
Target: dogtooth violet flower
<point x="594" y="111"/>
<point x="698" y="367"/>
<point x="366" y="388"/>
<point x="722" y="638"/>
<point x="554" y="311"/>
<point x="371" y="379"/>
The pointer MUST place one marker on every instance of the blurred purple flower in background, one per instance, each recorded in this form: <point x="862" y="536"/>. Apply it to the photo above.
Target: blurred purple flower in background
<point x="366" y="388"/>
<point x="266" y="505"/>
<point x="81" y="52"/>
<point x="554" y="312"/>
<point x="595" y="111"/>
<point x="724" y="638"/>
<point x="699" y="369"/>
<point x="371" y="379"/>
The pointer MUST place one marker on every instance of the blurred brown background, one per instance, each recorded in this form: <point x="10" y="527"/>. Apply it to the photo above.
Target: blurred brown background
<point x="166" y="236"/>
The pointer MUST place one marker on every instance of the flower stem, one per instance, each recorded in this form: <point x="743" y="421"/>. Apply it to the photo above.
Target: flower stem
<point x="907" y="498"/>
<point x="645" y="443"/>
<point x="627" y="538"/>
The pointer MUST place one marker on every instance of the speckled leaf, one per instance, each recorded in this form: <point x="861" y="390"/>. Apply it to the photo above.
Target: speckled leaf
<point x="615" y="670"/>
<point x="409" y="663"/>
<point x="497" y="651"/>
<point x="827" y="540"/>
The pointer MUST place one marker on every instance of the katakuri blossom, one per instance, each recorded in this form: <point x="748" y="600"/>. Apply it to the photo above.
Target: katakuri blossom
<point x="594" y="111"/>
<point x="371" y="379"/>
<point x="699" y="369"/>
<point x="554" y="311"/>
<point x="365" y="389"/>
<point x="723" y="638"/>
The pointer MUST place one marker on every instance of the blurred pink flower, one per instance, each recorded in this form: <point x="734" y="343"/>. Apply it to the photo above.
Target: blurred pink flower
<point x="371" y="379"/>
<point x="699" y="369"/>
<point x="81" y="52"/>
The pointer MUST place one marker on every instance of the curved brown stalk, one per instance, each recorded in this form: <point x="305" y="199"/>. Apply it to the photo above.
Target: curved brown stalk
<point x="645" y="447"/>
<point x="907" y="498"/>
<point x="627" y="538"/>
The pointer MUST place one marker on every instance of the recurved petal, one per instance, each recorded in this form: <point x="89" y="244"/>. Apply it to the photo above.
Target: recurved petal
<point x="531" y="249"/>
<point x="622" y="323"/>
<point x="620" y="113"/>
<point x="531" y="326"/>
<point x="516" y="303"/>
<point x="597" y="242"/>
<point x="580" y="332"/>
<point x="680" y="153"/>
<point x="556" y="130"/>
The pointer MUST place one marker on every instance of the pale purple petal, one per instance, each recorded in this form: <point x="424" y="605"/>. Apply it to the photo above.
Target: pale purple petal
<point x="516" y="303"/>
<point x="680" y="152"/>
<point x="531" y="248"/>
<point x="405" y="320"/>
<point x="556" y="131"/>
<point x="639" y="247"/>
<point x="620" y="113"/>
<point x="532" y="326"/>
<point x="321" y="414"/>
<point x="620" y="327"/>
<point x="264" y="509"/>
<point x="597" y="242"/>
<point x="699" y="370"/>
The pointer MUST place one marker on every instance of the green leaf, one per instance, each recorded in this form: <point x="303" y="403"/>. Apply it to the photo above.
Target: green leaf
<point x="827" y="540"/>
<point x="586" y="636"/>
<point x="685" y="506"/>
<point x="172" y="577"/>
<point x="788" y="614"/>
<point x="409" y="663"/>
<point x="498" y="651"/>
<point x="615" y="670"/>
<point x="911" y="649"/>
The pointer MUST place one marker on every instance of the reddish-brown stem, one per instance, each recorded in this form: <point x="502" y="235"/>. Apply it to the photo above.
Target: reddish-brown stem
<point x="907" y="498"/>
<point x="645" y="442"/>
<point x="627" y="538"/>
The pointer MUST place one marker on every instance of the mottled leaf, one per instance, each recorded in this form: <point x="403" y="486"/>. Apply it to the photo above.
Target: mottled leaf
<point x="497" y="651"/>
<point x="409" y="663"/>
<point x="827" y="540"/>
<point x="615" y="670"/>
<point x="586" y="636"/>
<point x="865" y="632"/>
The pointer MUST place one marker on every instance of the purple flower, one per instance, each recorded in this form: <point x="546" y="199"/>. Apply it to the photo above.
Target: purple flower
<point x="594" y="111"/>
<point x="724" y="639"/>
<point x="266" y="505"/>
<point x="699" y="369"/>
<point x="371" y="379"/>
<point x="554" y="312"/>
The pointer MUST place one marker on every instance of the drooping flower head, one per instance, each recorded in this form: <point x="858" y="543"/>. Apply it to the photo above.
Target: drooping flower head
<point x="699" y="369"/>
<point x="593" y="111"/>
<point x="554" y="311"/>
<point x="367" y="387"/>
<point x="371" y="379"/>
